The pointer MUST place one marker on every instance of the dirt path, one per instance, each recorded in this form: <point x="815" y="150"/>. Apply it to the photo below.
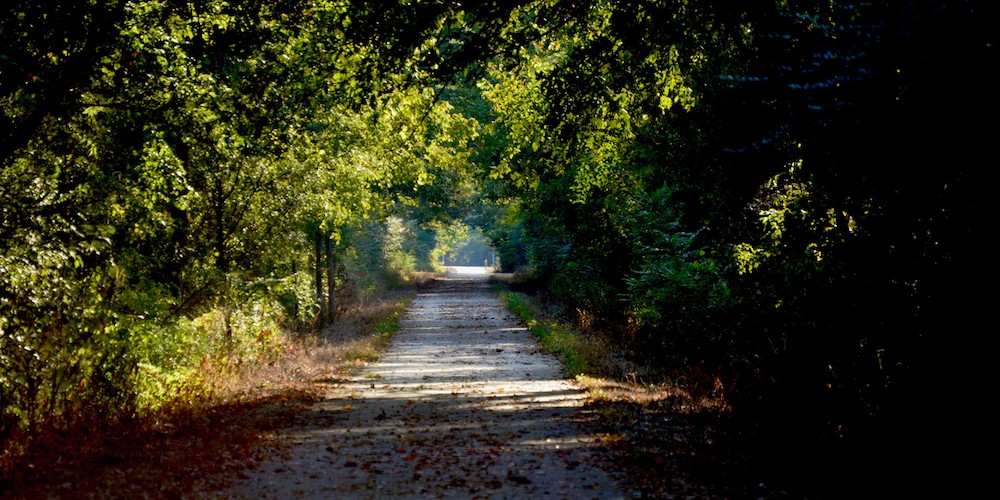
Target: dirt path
<point x="462" y="404"/>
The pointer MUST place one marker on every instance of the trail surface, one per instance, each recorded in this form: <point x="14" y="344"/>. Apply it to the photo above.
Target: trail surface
<point x="462" y="404"/>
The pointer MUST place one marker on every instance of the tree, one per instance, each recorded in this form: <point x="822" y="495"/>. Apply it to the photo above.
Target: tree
<point x="161" y="159"/>
<point x="741" y="181"/>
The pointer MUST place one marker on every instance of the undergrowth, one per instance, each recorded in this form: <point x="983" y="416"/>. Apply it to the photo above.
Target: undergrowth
<point x="664" y="433"/>
<point x="223" y="416"/>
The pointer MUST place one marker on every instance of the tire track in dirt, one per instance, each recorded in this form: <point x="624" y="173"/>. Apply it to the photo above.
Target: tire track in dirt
<point x="462" y="404"/>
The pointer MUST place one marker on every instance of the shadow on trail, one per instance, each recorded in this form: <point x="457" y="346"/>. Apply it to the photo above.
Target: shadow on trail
<point x="461" y="404"/>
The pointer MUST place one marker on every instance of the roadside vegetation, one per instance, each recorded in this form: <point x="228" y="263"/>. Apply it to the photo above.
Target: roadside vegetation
<point x="781" y="205"/>
<point x="665" y="429"/>
<point x="226" y="415"/>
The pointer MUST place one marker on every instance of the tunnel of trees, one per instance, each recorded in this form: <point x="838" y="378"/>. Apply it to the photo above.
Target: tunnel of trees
<point x="788" y="195"/>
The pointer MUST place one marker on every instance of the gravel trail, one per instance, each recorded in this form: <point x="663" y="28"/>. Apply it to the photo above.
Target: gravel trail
<point x="461" y="405"/>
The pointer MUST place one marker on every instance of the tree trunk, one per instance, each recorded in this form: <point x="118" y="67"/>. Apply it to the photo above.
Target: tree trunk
<point x="221" y="259"/>
<point x="319" y="276"/>
<point x="331" y="281"/>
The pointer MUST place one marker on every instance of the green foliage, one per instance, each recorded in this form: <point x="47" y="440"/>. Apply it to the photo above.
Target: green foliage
<point x="793" y="251"/>
<point x="170" y="357"/>
<point x="732" y="185"/>
<point x="164" y="166"/>
<point x="472" y="250"/>
<point x="382" y="250"/>
<point x="502" y="224"/>
<point x="676" y="295"/>
<point x="294" y="293"/>
<point x="447" y="241"/>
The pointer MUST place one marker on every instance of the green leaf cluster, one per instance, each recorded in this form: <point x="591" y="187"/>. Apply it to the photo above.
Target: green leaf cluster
<point x="166" y="165"/>
<point x="737" y="188"/>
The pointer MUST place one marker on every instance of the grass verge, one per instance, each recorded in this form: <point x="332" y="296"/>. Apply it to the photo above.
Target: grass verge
<point x="576" y="352"/>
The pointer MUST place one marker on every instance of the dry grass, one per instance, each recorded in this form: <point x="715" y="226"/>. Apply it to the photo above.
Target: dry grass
<point x="194" y="448"/>
<point x="309" y="361"/>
